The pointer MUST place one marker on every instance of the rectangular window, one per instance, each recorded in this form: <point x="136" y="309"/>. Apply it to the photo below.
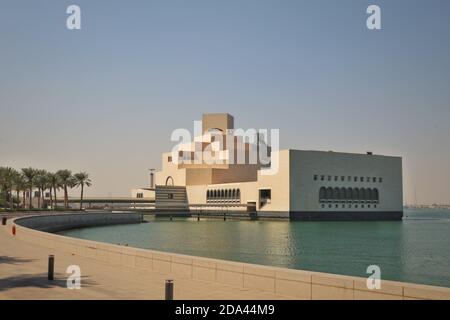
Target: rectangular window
<point x="356" y="179"/>
<point x="322" y="177"/>
<point x="170" y="196"/>
<point x="265" y="197"/>
<point x="362" y="179"/>
<point x="374" y="179"/>
<point x="169" y="159"/>
<point x="342" y="178"/>
<point x="329" y="178"/>
<point x="335" y="178"/>
<point x="380" y="180"/>
<point x="368" y="179"/>
<point x="315" y="177"/>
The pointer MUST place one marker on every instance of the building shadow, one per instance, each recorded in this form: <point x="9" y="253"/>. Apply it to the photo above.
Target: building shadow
<point x="39" y="281"/>
<point x="14" y="260"/>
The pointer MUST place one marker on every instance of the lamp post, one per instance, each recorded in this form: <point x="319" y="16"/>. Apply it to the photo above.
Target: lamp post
<point x="152" y="180"/>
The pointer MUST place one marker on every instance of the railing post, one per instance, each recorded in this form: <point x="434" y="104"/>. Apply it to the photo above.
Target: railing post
<point x="169" y="289"/>
<point x="51" y="267"/>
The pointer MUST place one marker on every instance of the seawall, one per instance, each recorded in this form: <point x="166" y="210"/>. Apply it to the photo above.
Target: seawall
<point x="290" y="283"/>
<point x="59" y="222"/>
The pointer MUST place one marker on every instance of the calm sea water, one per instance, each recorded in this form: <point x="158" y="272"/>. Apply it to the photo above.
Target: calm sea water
<point x="416" y="249"/>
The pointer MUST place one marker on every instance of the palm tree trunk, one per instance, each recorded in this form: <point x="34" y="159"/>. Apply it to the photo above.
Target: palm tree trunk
<point x="39" y="198"/>
<point x="43" y="198"/>
<point x="18" y="198"/>
<point x="56" y="200"/>
<point x="11" y="199"/>
<point x="51" y="198"/>
<point x="31" y="199"/>
<point x="66" y="200"/>
<point x="81" y="198"/>
<point x="24" y="199"/>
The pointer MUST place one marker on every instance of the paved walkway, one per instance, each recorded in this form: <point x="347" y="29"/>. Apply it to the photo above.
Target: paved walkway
<point x="23" y="275"/>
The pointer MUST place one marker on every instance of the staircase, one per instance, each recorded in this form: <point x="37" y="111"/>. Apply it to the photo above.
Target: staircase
<point x="171" y="198"/>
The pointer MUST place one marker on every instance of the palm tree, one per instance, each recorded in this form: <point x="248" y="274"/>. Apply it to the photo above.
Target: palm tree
<point x="3" y="185"/>
<point x="14" y="186"/>
<point x="7" y="176"/>
<point x="81" y="180"/>
<point x="2" y="177"/>
<point x="41" y="181"/>
<point x="20" y="185"/>
<point x="49" y="186"/>
<point x="55" y="184"/>
<point x="65" y="178"/>
<point x="29" y="174"/>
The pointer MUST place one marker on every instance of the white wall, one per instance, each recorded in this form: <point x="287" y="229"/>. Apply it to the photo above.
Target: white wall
<point x="305" y="191"/>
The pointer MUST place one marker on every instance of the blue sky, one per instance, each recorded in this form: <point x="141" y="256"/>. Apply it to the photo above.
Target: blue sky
<point x="105" y="99"/>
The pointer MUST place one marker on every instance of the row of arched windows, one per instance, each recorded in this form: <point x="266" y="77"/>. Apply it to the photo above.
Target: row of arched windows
<point x="222" y="195"/>
<point x="348" y="194"/>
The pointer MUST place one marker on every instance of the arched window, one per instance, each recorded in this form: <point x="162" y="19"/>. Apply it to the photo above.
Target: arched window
<point x="369" y="195"/>
<point x="169" y="181"/>
<point x="355" y="194"/>
<point x="226" y="193"/>
<point x="207" y="194"/>
<point x="233" y="193"/>
<point x="376" y="196"/>
<point x="343" y="194"/>
<point x="349" y="194"/>
<point x="329" y="193"/>
<point x="322" y="193"/>
<point x="336" y="193"/>
<point x="222" y="193"/>
<point x="238" y="195"/>
<point x="362" y="194"/>
<point x="215" y="194"/>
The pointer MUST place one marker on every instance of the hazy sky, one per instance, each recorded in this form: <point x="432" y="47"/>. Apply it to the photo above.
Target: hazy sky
<point x="105" y="99"/>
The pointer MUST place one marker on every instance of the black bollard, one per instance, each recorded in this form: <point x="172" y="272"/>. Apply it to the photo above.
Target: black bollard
<point x="224" y="217"/>
<point x="4" y="220"/>
<point x="51" y="267"/>
<point x="169" y="289"/>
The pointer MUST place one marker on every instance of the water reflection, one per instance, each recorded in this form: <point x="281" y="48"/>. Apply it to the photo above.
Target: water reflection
<point x="415" y="250"/>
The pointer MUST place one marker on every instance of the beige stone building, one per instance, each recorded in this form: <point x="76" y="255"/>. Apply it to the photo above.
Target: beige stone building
<point x="219" y="169"/>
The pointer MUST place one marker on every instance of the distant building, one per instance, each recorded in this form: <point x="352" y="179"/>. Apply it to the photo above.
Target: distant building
<point x="37" y="201"/>
<point x="308" y="185"/>
<point x="143" y="193"/>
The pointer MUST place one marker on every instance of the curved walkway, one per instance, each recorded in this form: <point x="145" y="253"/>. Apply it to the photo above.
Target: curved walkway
<point x="119" y="272"/>
<point x="23" y="275"/>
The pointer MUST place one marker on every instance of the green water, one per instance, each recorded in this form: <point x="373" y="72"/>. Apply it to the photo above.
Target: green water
<point x="416" y="249"/>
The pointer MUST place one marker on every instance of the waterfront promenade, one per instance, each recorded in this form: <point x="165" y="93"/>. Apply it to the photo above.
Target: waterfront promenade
<point x="23" y="275"/>
<point x="112" y="271"/>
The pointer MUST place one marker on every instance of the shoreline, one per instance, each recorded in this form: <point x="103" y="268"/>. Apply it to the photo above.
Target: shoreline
<point x="283" y="282"/>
